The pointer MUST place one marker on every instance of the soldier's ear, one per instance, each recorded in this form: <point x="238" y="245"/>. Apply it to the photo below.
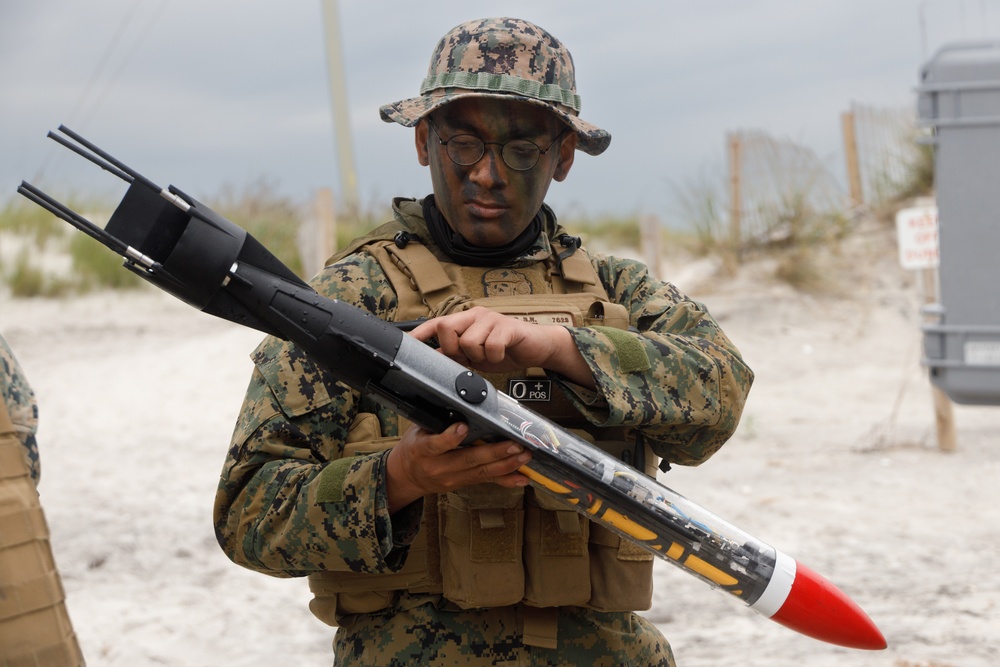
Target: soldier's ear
<point x="420" y="136"/>
<point x="567" y="153"/>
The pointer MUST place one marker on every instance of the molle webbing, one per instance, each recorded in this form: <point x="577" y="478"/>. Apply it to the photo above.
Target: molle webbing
<point x="34" y="625"/>
<point x="414" y="271"/>
<point x="422" y="283"/>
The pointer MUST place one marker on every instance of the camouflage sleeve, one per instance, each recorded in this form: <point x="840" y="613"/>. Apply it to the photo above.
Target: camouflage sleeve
<point x="19" y="399"/>
<point x="288" y="503"/>
<point x="678" y="377"/>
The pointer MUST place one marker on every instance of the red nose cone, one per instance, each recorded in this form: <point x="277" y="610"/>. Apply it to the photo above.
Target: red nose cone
<point x="818" y="609"/>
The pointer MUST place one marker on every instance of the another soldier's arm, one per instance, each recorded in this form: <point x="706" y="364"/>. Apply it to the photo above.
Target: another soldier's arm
<point x="19" y="399"/>
<point x="679" y="377"/>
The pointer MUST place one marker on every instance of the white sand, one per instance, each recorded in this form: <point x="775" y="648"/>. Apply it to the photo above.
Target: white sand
<point x="835" y="463"/>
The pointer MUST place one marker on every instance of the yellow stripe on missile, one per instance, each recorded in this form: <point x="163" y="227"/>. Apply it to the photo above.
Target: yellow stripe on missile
<point x="709" y="571"/>
<point x="552" y="486"/>
<point x="619" y="521"/>
<point x="675" y="551"/>
<point x="626" y="525"/>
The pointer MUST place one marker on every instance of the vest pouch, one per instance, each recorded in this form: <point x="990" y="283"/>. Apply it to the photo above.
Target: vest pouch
<point x="621" y="573"/>
<point x="364" y="428"/>
<point x="556" y="557"/>
<point x="481" y="537"/>
<point x="329" y="605"/>
<point x="607" y="314"/>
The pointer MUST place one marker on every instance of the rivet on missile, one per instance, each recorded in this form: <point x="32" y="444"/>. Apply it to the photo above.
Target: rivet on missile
<point x="471" y="388"/>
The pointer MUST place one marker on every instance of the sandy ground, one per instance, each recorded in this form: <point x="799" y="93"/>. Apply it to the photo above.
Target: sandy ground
<point x="836" y="463"/>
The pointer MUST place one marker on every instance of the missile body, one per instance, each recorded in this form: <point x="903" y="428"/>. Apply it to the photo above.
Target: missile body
<point x="644" y="511"/>
<point x="183" y="247"/>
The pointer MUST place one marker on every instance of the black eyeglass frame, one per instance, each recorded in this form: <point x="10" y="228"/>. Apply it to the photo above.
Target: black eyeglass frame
<point x="503" y="147"/>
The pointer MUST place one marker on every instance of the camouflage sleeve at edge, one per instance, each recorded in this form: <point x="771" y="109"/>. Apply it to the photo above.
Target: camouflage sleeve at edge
<point x="19" y="399"/>
<point x="273" y="512"/>
<point x="690" y="398"/>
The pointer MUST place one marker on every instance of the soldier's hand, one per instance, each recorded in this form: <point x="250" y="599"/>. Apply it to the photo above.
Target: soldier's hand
<point x="425" y="462"/>
<point x="491" y="342"/>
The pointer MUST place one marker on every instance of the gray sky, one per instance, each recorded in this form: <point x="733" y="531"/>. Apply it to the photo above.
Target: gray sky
<point x="202" y="94"/>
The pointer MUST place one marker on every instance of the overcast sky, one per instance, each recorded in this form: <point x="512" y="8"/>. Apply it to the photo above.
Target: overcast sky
<point x="202" y="94"/>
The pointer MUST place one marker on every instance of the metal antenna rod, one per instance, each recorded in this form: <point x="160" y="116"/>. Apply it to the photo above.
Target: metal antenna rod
<point x="111" y="159"/>
<point x="123" y="171"/>
<point x="61" y="211"/>
<point x="106" y="166"/>
<point x="120" y="248"/>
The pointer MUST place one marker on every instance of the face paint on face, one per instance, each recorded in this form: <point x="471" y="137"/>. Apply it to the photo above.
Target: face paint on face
<point x="488" y="203"/>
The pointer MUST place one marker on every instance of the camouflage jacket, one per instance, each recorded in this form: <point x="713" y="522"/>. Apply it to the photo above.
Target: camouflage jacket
<point x="17" y="396"/>
<point x="278" y="512"/>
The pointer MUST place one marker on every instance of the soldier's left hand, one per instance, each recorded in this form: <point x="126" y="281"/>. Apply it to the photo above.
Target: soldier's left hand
<point x="490" y="342"/>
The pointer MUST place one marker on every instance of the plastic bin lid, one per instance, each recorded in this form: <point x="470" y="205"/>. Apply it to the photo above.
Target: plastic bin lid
<point x="963" y="61"/>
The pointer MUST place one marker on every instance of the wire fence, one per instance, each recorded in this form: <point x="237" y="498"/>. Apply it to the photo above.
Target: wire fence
<point x="780" y="189"/>
<point x="886" y="151"/>
<point x="776" y="186"/>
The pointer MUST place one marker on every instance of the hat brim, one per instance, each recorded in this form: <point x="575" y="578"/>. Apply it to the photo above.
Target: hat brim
<point x="590" y="138"/>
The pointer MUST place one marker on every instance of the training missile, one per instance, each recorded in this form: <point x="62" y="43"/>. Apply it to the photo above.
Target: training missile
<point x="188" y="250"/>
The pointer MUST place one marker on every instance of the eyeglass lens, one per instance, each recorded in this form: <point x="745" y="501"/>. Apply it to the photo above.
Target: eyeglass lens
<point x="518" y="154"/>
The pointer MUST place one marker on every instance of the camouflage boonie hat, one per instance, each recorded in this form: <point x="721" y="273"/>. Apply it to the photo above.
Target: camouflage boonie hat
<point x="501" y="58"/>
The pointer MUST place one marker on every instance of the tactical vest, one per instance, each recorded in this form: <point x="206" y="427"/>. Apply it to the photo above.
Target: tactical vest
<point x="485" y="545"/>
<point x="35" y="628"/>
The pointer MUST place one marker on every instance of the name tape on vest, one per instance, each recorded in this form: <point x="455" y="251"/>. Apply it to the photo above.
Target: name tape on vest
<point x="562" y="319"/>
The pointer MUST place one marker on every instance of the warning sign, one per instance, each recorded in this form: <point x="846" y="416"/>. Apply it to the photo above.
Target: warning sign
<point x="917" y="235"/>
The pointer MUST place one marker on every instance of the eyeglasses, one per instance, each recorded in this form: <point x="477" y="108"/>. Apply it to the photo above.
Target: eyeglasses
<point x="518" y="154"/>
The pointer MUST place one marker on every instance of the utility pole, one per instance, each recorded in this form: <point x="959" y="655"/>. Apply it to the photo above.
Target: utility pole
<point x="341" y="119"/>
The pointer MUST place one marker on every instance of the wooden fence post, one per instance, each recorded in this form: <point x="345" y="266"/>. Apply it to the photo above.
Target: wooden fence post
<point x="944" y="413"/>
<point x="735" y="150"/>
<point x="326" y="226"/>
<point x="649" y="232"/>
<point x="848" y="130"/>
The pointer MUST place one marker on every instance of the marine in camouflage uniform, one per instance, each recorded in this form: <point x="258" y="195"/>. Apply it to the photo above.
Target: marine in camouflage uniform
<point x="297" y="499"/>
<point x="21" y="405"/>
<point x="35" y="629"/>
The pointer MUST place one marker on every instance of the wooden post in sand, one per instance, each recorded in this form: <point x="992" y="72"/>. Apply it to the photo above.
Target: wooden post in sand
<point x="944" y="413"/>
<point x="916" y="231"/>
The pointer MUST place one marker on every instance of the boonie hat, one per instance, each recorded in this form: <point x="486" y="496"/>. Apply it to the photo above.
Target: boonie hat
<point x="504" y="58"/>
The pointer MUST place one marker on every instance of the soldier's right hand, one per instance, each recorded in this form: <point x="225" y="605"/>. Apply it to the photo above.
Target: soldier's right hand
<point x="424" y="462"/>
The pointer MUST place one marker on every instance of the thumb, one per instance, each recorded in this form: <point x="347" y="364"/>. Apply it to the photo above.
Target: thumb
<point x="450" y="438"/>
